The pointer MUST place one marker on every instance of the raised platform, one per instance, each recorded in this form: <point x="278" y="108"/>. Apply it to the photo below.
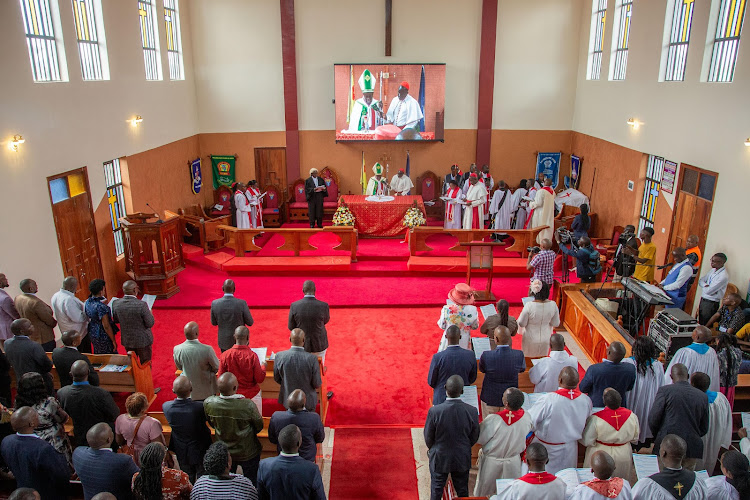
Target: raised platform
<point x="507" y="266"/>
<point x="286" y="264"/>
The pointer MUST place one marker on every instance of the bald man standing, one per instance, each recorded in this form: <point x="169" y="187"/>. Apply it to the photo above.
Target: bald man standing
<point x="228" y="313"/>
<point x="135" y="320"/>
<point x="198" y="363"/>
<point x="611" y="372"/>
<point x="70" y="314"/>
<point x="244" y="363"/>
<point x="297" y="369"/>
<point x="309" y="423"/>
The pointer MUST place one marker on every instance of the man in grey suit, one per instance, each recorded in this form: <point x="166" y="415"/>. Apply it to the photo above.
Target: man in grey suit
<point x="25" y="355"/>
<point x="135" y="320"/>
<point x="198" y="363"/>
<point x="311" y="315"/>
<point x="297" y="369"/>
<point x="228" y="313"/>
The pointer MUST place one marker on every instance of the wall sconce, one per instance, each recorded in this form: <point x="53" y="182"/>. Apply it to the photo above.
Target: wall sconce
<point x="136" y="121"/>
<point x="14" y="143"/>
<point x="634" y="123"/>
<point x="747" y="142"/>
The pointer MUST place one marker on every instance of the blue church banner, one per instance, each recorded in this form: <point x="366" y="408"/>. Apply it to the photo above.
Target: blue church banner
<point x="549" y="165"/>
<point x="195" y="175"/>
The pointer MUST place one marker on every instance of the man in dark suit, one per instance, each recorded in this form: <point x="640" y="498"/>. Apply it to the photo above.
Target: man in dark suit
<point x="33" y="461"/>
<point x="311" y="315"/>
<point x="40" y="314"/>
<point x="309" y="423"/>
<point x="609" y="373"/>
<point x="501" y="368"/>
<point x="454" y="360"/>
<point x="135" y="320"/>
<point x="451" y="429"/>
<point x="297" y="369"/>
<point x="190" y="435"/>
<point x="453" y="176"/>
<point x="289" y="475"/>
<point x="315" y="191"/>
<point x="681" y="409"/>
<point x="99" y="469"/>
<point x="64" y="357"/>
<point x="87" y="405"/>
<point x="25" y="355"/>
<point x="228" y="313"/>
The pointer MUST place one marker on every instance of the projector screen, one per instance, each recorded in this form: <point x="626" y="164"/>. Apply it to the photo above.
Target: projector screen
<point x="386" y="102"/>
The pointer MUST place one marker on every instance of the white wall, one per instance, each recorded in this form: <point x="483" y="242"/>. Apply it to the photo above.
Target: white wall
<point x="74" y="124"/>
<point x="702" y="124"/>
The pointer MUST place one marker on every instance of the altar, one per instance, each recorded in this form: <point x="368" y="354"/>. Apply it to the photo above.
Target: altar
<point x="380" y="218"/>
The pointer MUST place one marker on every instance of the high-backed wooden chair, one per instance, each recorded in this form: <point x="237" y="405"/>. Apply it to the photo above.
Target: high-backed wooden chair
<point x="272" y="209"/>
<point x="428" y="186"/>
<point x="297" y="205"/>
<point x="330" y="202"/>
<point x="222" y="196"/>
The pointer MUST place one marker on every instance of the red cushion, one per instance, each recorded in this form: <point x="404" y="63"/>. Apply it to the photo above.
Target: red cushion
<point x="299" y="193"/>
<point x="271" y="200"/>
<point x="330" y="204"/>
<point x="333" y="190"/>
<point x="297" y="204"/>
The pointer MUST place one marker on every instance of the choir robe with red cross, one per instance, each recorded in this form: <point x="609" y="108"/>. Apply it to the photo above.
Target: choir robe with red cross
<point x="502" y="436"/>
<point x="534" y="486"/>
<point x="596" y="489"/>
<point x="612" y="431"/>
<point x="453" y="211"/>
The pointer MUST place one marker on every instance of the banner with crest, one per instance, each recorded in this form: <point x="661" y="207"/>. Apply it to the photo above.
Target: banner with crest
<point x="195" y="175"/>
<point x="223" y="170"/>
<point x="549" y="165"/>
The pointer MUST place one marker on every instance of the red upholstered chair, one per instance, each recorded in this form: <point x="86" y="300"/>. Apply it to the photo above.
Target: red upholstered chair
<point x="272" y="207"/>
<point x="222" y="196"/>
<point x="297" y="206"/>
<point x="428" y="186"/>
<point x="330" y="202"/>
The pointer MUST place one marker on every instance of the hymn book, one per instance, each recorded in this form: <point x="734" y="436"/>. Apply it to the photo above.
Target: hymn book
<point x="470" y="396"/>
<point x="481" y="344"/>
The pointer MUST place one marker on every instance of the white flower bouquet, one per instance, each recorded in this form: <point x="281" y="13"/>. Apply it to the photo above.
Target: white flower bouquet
<point x="414" y="217"/>
<point x="343" y="217"/>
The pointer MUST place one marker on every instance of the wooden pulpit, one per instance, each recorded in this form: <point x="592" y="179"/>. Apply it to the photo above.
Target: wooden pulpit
<point x="479" y="257"/>
<point x="153" y="253"/>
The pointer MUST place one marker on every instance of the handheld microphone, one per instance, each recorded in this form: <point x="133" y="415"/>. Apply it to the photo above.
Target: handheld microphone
<point x="155" y="213"/>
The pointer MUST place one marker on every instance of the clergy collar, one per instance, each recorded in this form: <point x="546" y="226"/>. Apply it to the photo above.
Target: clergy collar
<point x="27" y="435"/>
<point x="289" y="454"/>
<point x="310" y="295"/>
<point x="228" y="295"/>
<point x="297" y="347"/>
<point x="453" y="399"/>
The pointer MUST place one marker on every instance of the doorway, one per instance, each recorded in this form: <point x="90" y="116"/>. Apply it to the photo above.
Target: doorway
<point x="76" y="231"/>
<point x="270" y="168"/>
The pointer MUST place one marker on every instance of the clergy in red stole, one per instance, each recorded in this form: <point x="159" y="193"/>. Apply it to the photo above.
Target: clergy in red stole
<point x="476" y="196"/>
<point x="256" y="205"/>
<point x="604" y="485"/>
<point x="537" y="484"/>
<point x="502" y="436"/>
<point x="611" y="430"/>
<point x="453" y="212"/>
<point x="559" y="418"/>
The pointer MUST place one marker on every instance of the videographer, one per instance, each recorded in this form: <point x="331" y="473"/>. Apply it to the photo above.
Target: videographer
<point x="587" y="257"/>
<point x="541" y="261"/>
<point x="625" y="260"/>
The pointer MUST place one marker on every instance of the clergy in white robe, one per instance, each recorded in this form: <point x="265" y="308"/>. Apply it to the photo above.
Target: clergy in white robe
<point x="659" y="486"/>
<point x="611" y="430"/>
<point x="571" y="197"/>
<point x="559" y="419"/>
<point x="538" y="484"/>
<point x="546" y="371"/>
<point x="453" y="209"/>
<point x="697" y="357"/>
<point x="243" y="208"/>
<point x="404" y="111"/>
<point x="502" y="436"/>
<point x="614" y="488"/>
<point x="489" y="184"/>
<point x="640" y="399"/>
<point x="519" y="206"/>
<point x="377" y="185"/>
<point x="401" y="184"/>
<point x="476" y="195"/>
<point x="735" y="483"/>
<point x="718" y="488"/>
<point x="543" y="212"/>
<point x="719" y="433"/>
<point x="256" y="207"/>
<point x="502" y="207"/>
<point x="364" y="116"/>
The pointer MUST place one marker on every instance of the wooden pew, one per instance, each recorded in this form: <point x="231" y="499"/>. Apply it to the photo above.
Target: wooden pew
<point x="522" y="238"/>
<point x="135" y="378"/>
<point x="270" y="388"/>
<point x="202" y="227"/>
<point x="296" y="240"/>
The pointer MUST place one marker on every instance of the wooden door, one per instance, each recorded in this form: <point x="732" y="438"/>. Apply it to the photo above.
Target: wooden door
<point x="76" y="231"/>
<point x="270" y="168"/>
<point x="692" y="212"/>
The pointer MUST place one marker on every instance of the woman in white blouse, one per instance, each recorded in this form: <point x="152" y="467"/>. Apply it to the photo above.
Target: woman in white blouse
<point x="537" y="321"/>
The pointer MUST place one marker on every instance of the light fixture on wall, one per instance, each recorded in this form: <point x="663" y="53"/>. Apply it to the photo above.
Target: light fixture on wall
<point x="747" y="142"/>
<point x="634" y="123"/>
<point x="136" y="121"/>
<point x="14" y="143"/>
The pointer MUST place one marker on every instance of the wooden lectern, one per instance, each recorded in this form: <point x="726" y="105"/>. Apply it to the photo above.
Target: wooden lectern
<point x="153" y="253"/>
<point x="479" y="256"/>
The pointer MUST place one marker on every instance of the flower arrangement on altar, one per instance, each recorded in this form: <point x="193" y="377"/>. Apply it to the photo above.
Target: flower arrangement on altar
<point x="414" y="217"/>
<point x="343" y="216"/>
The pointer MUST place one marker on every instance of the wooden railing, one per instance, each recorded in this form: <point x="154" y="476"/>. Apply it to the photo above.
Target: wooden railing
<point x="295" y="240"/>
<point x="523" y="238"/>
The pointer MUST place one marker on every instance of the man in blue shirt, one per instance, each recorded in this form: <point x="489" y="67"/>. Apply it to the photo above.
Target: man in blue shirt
<point x="454" y="360"/>
<point x="501" y="368"/>
<point x="609" y="373"/>
<point x="587" y="258"/>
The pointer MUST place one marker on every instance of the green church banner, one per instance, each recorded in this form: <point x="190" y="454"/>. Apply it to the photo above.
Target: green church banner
<point x="223" y="170"/>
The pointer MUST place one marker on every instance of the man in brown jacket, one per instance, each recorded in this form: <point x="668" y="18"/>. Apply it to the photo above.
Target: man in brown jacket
<point x="34" y="309"/>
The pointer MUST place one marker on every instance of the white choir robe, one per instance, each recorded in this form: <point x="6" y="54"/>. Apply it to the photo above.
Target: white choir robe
<point x="503" y="213"/>
<point x="489" y="184"/>
<point x="453" y="210"/>
<point x="694" y="361"/>
<point x="401" y="185"/>
<point x="404" y="113"/>
<point x="476" y="195"/>
<point x="719" y="433"/>
<point x="375" y="187"/>
<point x="560" y="420"/>
<point x="519" y="207"/>
<point x="545" y="373"/>
<point x="502" y="445"/>
<point x="242" y="211"/>
<point x="371" y="119"/>
<point x="598" y="430"/>
<point x="719" y="489"/>
<point x="544" y="214"/>
<point x="648" y="489"/>
<point x="641" y="398"/>
<point x="521" y="490"/>
<point x="584" y="492"/>
<point x="256" y="209"/>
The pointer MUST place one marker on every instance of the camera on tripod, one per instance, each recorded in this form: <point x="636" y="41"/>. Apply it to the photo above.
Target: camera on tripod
<point x="533" y="249"/>
<point x="564" y="235"/>
<point x="624" y="237"/>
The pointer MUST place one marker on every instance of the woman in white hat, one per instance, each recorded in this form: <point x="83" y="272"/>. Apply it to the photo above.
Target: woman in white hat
<point x="460" y="311"/>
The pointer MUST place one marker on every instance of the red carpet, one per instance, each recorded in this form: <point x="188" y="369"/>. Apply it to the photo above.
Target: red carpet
<point x="383" y="470"/>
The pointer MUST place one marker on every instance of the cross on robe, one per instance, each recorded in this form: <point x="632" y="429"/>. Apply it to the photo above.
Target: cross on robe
<point x="510" y="418"/>
<point x="539" y="478"/>
<point x="617" y="421"/>
<point x="679" y="487"/>
<point x="572" y="393"/>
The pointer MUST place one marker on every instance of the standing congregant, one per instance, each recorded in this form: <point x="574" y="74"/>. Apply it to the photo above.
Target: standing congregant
<point x="228" y="313"/>
<point x="315" y="191"/>
<point x="609" y="373"/>
<point x="538" y="484"/>
<point x="311" y="315"/>
<point x="543" y="211"/>
<point x="604" y="484"/>
<point x="675" y="480"/>
<point x="70" y="312"/>
<point x="460" y="311"/>
<point x="719" y="433"/>
<point x="649" y="376"/>
<point x="546" y="371"/>
<point x="198" y="363"/>
<point x="476" y="196"/>
<point x="34" y="309"/>
<point x="697" y="357"/>
<point x="452" y="361"/>
<point x="135" y="320"/>
<point x="297" y="369"/>
<point x="243" y="362"/>
<point x="501" y="367"/>
<point x="8" y="311"/>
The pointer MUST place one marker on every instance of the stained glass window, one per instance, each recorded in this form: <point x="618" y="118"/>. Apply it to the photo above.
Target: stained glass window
<point x="679" y="39"/>
<point x="727" y="40"/>
<point x="174" y="39"/>
<point x="150" y="39"/>
<point x="87" y="15"/>
<point x="116" y="201"/>
<point x="651" y="191"/>
<point x="621" y="39"/>
<point x="44" y="40"/>
<point x="598" y="22"/>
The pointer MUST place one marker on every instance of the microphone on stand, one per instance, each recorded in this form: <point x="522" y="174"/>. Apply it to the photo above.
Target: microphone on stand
<point x="155" y="213"/>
